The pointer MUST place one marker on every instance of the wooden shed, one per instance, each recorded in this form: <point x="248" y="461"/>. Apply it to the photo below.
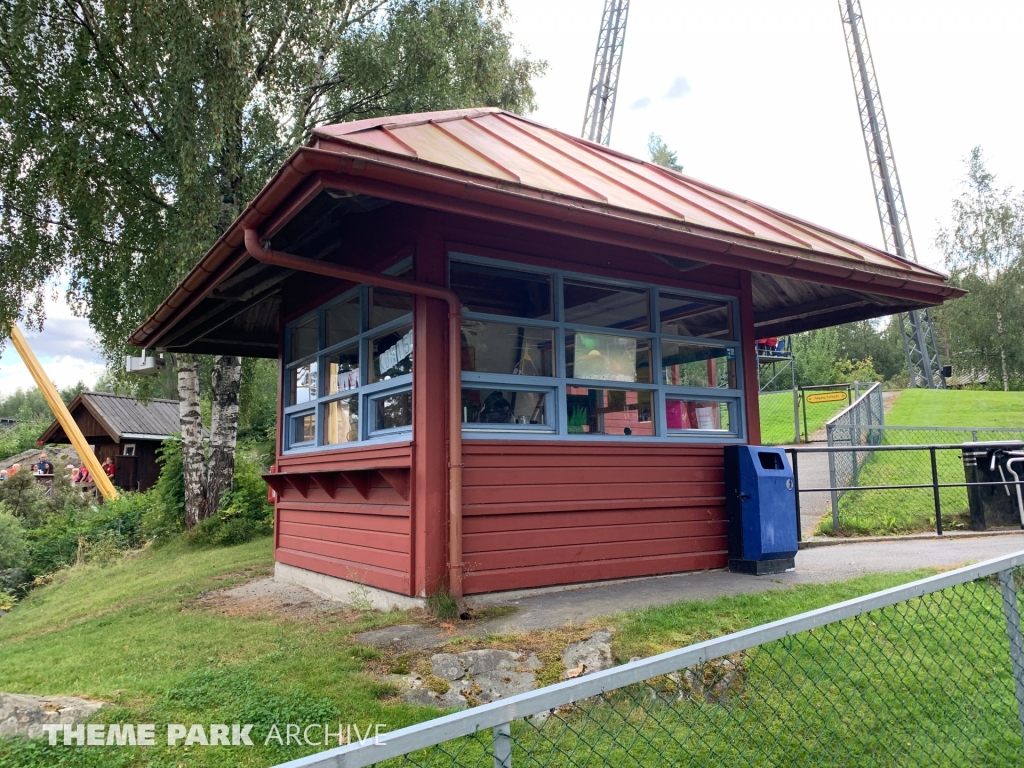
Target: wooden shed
<point x="123" y="429"/>
<point x="509" y="357"/>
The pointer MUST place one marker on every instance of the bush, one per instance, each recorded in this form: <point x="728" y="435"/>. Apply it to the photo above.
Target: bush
<point x="25" y="498"/>
<point x="21" y="437"/>
<point x="13" y="544"/>
<point x="166" y="515"/>
<point x="245" y="512"/>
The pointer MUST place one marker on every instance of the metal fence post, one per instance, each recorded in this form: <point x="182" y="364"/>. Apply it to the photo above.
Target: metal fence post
<point x="935" y="490"/>
<point x="855" y="435"/>
<point x="796" y="413"/>
<point x="503" y="745"/>
<point x="832" y="482"/>
<point x="1010" y="609"/>
<point x="796" y="493"/>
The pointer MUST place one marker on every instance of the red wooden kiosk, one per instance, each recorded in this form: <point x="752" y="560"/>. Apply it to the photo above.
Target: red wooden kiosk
<point x="510" y="358"/>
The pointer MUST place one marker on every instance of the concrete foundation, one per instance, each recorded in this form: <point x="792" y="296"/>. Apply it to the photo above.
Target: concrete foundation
<point x="345" y="591"/>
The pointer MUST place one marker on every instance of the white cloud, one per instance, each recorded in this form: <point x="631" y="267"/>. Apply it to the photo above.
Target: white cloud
<point x="641" y="103"/>
<point x="680" y="87"/>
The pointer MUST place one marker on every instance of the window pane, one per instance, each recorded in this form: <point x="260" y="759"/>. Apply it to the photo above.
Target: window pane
<point x="697" y="414"/>
<point x="303" y="383"/>
<point x="393" y="411"/>
<point x="303" y="428"/>
<point x="701" y="318"/>
<point x="501" y="348"/>
<point x="387" y="305"/>
<point x="499" y="291"/>
<point x="697" y="365"/>
<point x="305" y="339"/>
<point x="392" y="354"/>
<point x="342" y="370"/>
<point x="608" y="358"/>
<point x="341" y="421"/>
<point x="342" y="321"/>
<point x="596" y="304"/>
<point x="609" y="411"/>
<point x="492" y="406"/>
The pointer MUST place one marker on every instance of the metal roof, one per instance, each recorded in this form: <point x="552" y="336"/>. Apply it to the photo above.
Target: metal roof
<point x="514" y="150"/>
<point x="493" y="165"/>
<point x="123" y="417"/>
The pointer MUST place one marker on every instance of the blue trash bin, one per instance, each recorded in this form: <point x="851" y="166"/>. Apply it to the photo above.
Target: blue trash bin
<point x="760" y="504"/>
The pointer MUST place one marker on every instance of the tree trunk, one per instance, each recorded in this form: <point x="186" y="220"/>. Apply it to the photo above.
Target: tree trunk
<point x="227" y="378"/>
<point x="1002" y="351"/>
<point x="192" y="454"/>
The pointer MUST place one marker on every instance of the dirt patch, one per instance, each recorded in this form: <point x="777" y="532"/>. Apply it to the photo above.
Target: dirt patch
<point x="266" y="597"/>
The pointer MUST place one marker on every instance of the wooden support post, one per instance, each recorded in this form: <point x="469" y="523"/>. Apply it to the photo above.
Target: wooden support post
<point x="60" y="411"/>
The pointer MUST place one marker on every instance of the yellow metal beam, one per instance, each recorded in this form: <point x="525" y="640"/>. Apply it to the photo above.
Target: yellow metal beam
<point x="89" y="459"/>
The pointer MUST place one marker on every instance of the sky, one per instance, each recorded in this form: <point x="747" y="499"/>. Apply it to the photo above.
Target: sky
<point x="756" y="97"/>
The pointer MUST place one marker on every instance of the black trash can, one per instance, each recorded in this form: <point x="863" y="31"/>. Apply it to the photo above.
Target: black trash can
<point x="760" y="504"/>
<point x="990" y="505"/>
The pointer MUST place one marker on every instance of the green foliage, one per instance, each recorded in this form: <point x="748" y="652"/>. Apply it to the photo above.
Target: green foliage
<point x="661" y="154"/>
<point x="245" y="512"/>
<point x="166" y="515"/>
<point x="983" y="248"/>
<point x="845" y="371"/>
<point x="257" y="403"/>
<point x="25" y="498"/>
<point x="21" y="437"/>
<point x="29" y="404"/>
<point x="441" y="605"/>
<point x="815" y="353"/>
<point x="13" y="544"/>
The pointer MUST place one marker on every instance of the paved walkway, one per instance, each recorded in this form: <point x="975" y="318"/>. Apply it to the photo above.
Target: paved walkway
<point x="543" y="609"/>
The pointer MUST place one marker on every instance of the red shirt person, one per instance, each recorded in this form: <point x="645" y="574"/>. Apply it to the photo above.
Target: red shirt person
<point x="108" y="467"/>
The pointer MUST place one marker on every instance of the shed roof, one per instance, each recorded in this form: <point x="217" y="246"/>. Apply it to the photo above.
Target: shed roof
<point x="122" y="417"/>
<point x="495" y="165"/>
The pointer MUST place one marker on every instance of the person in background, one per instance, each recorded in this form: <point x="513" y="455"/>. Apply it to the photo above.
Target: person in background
<point x="44" y="467"/>
<point x="108" y="467"/>
<point x="13" y="471"/>
<point x="83" y="475"/>
<point x="3" y="475"/>
<point x="72" y="472"/>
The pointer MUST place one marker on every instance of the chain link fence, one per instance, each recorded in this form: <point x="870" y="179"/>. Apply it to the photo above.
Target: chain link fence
<point x="929" y="673"/>
<point x="780" y="422"/>
<point x="900" y="510"/>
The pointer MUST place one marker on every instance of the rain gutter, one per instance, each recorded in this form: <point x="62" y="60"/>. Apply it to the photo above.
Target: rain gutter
<point x="300" y="264"/>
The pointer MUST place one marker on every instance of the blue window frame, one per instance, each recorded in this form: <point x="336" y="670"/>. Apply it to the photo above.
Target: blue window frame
<point x="348" y="370"/>
<point x="570" y="355"/>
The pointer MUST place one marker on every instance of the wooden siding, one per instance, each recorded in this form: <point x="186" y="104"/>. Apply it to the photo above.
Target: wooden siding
<point x="542" y="513"/>
<point x="346" y="535"/>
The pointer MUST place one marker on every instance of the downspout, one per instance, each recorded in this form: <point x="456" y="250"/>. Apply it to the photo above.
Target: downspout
<point x="301" y="264"/>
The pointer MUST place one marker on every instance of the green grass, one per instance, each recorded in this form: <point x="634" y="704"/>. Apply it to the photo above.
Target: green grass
<point x="909" y="511"/>
<point x="776" y="409"/>
<point x="131" y="634"/>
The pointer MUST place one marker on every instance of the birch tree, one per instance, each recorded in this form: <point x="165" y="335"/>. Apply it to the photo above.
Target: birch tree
<point x="133" y="133"/>
<point x="983" y="248"/>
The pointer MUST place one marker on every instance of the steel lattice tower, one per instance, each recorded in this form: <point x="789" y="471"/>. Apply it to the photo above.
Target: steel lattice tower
<point x="604" y="82"/>
<point x="923" y="360"/>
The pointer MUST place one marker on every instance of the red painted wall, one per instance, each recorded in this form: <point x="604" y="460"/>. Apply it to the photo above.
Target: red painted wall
<point x="346" y="536"/>
<point x="539" y="513"/>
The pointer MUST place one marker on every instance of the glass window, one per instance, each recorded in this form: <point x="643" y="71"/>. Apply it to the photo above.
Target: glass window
<point x="609" y="412"/>
<point x="707" y="415"/>
<point x="305" y="339"/>
<point x="387" y="305"/>
<point x="511" y="349"/>
<point x="392" y="354"/>
<point x="342" y="369"/>
<point x="303" y="428"/>
<point x="697" y="317"/>
<point x="608" y="358"/>
<point x="393" y="411"/>
<point x="493" y="406"/>
<point x="341" y="421"/>
<point x="303" y="383"/>
<point x="342" y="321"/>
<point x="698" y="365"/>
<point x="605" y="305"/>
<point x="497" y="291"/>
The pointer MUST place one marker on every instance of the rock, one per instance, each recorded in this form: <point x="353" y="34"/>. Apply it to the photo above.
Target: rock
<point x="502" y="683"/>
<point x="453" y="698"/>
<point x="447" y="666"/>
<point x="488" y="660"/>
<point x="594" y="653"/>
<point x="23" y="715"/>
<point x="532" y="662"/>
<point x="404" y="638"/>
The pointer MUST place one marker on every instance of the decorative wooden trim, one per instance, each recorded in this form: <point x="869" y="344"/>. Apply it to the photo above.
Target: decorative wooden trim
<point x="397" y="479"/>
<point x="360" y="480"/>
<point x="299" y="481"/>
<point x="276" y="482"/>
<point x="326" y="480"/>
